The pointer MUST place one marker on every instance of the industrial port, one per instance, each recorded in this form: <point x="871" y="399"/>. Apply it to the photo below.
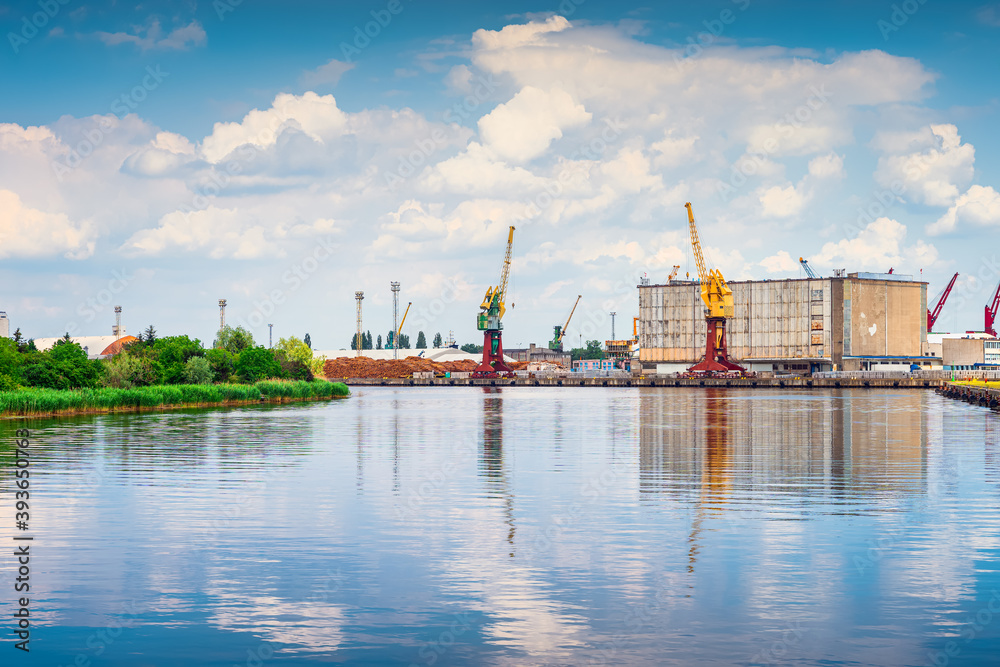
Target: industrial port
<point x="859" y="325"/>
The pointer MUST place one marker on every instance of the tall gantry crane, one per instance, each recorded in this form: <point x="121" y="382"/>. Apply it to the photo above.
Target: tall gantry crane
<point x="933" y="316"/>
<point x="560" y="332"/>
<point x="491" y="313"/>
<point x="718" y="300"/>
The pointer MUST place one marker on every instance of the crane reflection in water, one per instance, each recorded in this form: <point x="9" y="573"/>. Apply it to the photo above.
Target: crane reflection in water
<point x="491" y="462"/>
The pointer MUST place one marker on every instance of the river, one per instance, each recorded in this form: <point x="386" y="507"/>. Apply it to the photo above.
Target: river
<point x="513" y="526"/>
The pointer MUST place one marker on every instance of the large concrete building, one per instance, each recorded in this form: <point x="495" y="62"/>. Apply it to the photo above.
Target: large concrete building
<point x="860" y="321"/>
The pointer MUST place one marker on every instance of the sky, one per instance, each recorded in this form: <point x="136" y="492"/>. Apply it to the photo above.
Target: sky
<point x="284" y="156"/>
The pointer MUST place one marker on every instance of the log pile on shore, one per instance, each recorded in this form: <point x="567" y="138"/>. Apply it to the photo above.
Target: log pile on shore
<point x="365" y="367"/>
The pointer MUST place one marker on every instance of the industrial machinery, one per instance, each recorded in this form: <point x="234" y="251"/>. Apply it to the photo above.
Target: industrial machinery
<point x="673" y="274"/>
<point x="489" y="321"/>
<point x="718" y="300"/>
<point x="991" y="313"/>
<point x="933" y="316"/>
<point x="560" y="332"/>
<point x="805" y="265"/>
<point x="390" y="344"/>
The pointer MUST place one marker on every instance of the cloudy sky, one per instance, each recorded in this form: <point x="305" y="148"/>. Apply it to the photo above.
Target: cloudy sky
<point x="164" y="156"/>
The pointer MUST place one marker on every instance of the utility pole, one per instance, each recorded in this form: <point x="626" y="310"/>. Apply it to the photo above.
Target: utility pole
<point x="613" y="325"/>
<point x="222" y="314"/>
<point x="270" y="336"/>
<point x="359" y="296"/>
<point x="118" y="322"/>
<point x="395" y="319"/>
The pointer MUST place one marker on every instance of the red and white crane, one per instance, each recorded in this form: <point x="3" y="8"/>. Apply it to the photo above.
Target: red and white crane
<point x="932" y="317"/>
<point x="991" y="313"/>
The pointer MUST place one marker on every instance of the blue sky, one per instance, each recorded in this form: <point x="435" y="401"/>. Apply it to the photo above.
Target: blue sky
<point x="247" y="154"/>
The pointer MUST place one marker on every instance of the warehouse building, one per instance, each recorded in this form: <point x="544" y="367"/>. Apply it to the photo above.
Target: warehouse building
<point x="971" y="353"/>
<point x="859" y="321"/>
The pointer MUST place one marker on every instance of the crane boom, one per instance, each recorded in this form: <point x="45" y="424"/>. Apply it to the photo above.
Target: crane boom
<point x="673" y="274"/>
<point x="505" y="272"/>
<point x="696" y="246"/>
<point x="715" y="292"/>
<point x="805" y="265"/>
<point x="562" y="331"/>
<point x="932" y="317"/>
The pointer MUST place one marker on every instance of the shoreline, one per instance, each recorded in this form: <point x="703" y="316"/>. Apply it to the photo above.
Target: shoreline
<point x="640" y="381"/>
<point x="73" y="412"/>
<point x="35" y="403"/>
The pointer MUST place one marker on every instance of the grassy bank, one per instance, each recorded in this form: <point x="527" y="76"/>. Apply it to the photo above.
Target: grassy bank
<point x="26" y="402"/>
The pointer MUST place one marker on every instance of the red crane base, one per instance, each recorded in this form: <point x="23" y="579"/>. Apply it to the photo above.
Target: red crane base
<point x="493" y="364"/>
<point x="716" y="355"/>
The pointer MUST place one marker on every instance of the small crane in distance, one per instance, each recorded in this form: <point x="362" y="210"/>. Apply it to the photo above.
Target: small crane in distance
<point x="560" y="332"/>
<point x="805" y="265"/>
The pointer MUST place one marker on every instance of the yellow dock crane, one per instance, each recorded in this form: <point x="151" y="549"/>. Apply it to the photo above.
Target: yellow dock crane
<point x="491" y="312"/>
<point x="560" y="332"/>
<point x="718" y="300"/>
<point x="673" y="274"/>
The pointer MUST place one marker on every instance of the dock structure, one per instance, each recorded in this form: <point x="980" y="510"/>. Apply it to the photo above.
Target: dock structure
<point x="746" y="383"/>
<point x="987" y="397"/>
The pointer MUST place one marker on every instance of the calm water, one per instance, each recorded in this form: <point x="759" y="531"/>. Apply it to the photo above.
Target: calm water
<point x="516" y="526"/>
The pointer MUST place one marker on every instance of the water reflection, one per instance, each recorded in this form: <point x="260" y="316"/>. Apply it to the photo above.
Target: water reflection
<point x="492" y="457"/>
<point x="802" y="447"/>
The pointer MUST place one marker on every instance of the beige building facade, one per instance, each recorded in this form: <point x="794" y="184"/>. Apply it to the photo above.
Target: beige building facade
<point x="853" y="322"/>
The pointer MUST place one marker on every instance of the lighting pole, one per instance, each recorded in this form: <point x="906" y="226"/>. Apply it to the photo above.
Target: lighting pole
<point x="395" y="319"/>
<point x="270" y="336"/>
<point x="613" y="325"/>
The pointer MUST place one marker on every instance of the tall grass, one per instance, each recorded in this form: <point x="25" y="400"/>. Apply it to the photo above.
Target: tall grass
<point x="47" y="401"/>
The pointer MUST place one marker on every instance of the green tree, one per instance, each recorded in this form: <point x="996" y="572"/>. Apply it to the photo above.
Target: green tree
<point x="294" y="349"/>
<point x="198" y="370"/>
<point x="257" y="363"/>
<point x="438" y="341"/>
<point x="171" y="354"/>
<point x="367" y="337"/>
<point x="472" y="348"/>
<point x="421" y="341"/>
<point x="65" y="366"/>
<point x="378" y="342"/>
<point x="222" y="362"/>
<point x="10" y="363"/>
<point x="150" y="334"/>
<point x="404" y="341"/>
<point x="308" y="341"/>
<point x="234" y="340"/>
<point x="592" y="351"/>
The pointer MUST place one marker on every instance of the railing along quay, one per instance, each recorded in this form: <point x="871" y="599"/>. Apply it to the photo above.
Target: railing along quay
<point x="759" y="383"/>
<point x="984" y="396"/>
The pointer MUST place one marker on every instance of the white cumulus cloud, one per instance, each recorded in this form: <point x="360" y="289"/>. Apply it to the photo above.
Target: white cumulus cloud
<point x="523" y="127"/>
<point x="979" y="206"/>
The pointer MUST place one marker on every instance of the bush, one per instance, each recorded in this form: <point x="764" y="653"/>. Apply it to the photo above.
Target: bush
<point x="124" y="371"/>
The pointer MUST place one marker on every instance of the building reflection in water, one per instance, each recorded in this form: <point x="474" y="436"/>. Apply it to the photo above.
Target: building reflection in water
<point x="491" y="461"/>
<point x="735" y="453"/>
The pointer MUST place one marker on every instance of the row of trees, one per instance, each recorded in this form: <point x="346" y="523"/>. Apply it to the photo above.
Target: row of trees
<point x="404" y="341"/>
<point x="150" y="360"/>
